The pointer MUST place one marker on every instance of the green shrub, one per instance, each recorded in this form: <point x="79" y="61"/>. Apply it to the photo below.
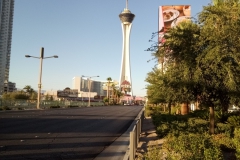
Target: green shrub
<point x="234" y="121"/>
<point x="224" y="141"/>
<point x="180" y="125"/>
<point x="218" y="115"/>
<point x="54" y="106"/>
<point x="191" y="146"/>
<point x="153" y="153"/>
<point x="203" y="114"/>
<point x="224" y="128"/>
<point x="148" y="111"/>
<point x="72" y="106"/>
<point x="197" y="125"/>
<point x="5" y="108"/>
<point x="162" y="130"/>
<point x="236" y="141"/>
<point x="157" y="118"/>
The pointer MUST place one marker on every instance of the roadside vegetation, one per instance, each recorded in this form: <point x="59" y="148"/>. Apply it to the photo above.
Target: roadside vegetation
<point x="187" y="136"/>
<point x="18" y="98"/>
<point x="199" y="65"/>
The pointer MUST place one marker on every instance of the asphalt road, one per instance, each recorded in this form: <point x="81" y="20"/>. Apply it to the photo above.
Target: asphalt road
<point x="59" y="134"/>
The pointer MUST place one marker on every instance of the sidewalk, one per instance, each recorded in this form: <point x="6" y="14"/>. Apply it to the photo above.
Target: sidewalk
<point x="148" y="138"/>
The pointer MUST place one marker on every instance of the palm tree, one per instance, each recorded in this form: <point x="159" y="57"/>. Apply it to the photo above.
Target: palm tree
<point x="109" y="79"/>
<point x="118" y="94"/>
<point x="114" y="89"/>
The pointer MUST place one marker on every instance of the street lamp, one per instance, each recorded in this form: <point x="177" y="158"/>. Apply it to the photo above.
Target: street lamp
<point x="89" y="87"/>
<point x="40" y="73"/>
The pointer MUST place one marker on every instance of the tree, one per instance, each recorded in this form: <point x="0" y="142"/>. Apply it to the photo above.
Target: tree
<point x="114" y="90"/>
<point x="6" y="96"/>
<point x="218" y="65"/>
<point x="202" y="60"/>
<point x="51" y="98"/>
<point x="28" y="89"/>
<point x="33" y="96"/>
<point x="15" y="95"/>
<point x="47" y="97"/>
<point x="175" y="84"/>
<point x="109" y="80"/>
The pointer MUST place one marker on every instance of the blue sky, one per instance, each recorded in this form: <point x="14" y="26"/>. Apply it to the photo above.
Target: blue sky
<point x="87" y="37"/>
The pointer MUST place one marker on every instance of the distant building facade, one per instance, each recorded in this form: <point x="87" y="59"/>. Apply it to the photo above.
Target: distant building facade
<point x="6" y="22"/>
<point x="82" y="85"/>
<point x="9" y="87"/>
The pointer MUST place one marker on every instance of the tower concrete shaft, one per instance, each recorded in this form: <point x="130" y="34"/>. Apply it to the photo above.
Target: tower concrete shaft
<point x="125" y="81"/>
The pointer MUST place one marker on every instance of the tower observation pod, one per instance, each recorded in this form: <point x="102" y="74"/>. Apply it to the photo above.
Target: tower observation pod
<point x="125" y="81"/>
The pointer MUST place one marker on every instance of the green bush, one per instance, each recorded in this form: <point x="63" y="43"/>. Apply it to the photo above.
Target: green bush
<point x="5" y="108"/>
<point x="234" y="121"/>
<point x="224" y="128"/>
<point x="157" y="118"/>
<point x="20" y="108"/>
<point x="236" y="141"/>
<point x="148" y="111"/>
<point x="176" y="124"/>
<point x="54" y="106"/>
<point x="191" y="146"/>
<point x="153" y="153"/>
<point x="197" y="125"/>
<point x="163" y="130"/>
<point x="218" y="116"/>
<point x="224" y="141"/>
<point x="71" y="106"/>
<point x="203" y="114"/>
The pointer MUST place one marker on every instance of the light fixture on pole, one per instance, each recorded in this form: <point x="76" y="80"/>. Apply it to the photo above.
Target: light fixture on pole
<point x="89" y="87"/>
<point x="40" y="73"/>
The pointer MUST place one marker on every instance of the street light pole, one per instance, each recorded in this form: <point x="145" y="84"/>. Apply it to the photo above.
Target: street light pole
<point x="89" y="88"/>
<point x="40" y="73"/>
<point x="40" y="78"/>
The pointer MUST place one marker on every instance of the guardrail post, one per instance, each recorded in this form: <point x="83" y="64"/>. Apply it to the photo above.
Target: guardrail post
<point x="142" y="118"/>
<point x="135" y="135"/>
<point x="132" y="154"/>
<point x="137" y="132"/>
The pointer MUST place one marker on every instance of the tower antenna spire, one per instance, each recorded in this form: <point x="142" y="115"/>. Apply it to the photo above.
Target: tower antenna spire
<point x="126" y="4"/>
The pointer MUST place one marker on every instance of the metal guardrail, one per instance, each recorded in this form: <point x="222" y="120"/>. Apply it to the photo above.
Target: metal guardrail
<point x="134" y="137"/>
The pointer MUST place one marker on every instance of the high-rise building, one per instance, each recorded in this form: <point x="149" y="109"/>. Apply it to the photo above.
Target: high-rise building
<point x="125" y="81"/>
<point x="6" y="22"/>
<point x="82" y="85"/>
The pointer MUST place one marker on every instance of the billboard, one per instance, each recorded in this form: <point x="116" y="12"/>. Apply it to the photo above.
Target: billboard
<point x="171" y="16"/>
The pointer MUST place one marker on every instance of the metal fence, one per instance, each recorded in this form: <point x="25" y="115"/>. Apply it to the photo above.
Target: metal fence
<point x="32" y="104"/>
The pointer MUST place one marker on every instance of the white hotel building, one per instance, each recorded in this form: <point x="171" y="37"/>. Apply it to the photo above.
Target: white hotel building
<point x="81" y="84"/>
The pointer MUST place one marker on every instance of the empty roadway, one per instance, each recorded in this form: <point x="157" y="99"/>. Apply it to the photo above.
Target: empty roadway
<point x="74" y="133"/>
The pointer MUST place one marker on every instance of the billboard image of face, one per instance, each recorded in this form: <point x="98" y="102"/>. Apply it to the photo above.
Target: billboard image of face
<point x="171" y="16"/>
